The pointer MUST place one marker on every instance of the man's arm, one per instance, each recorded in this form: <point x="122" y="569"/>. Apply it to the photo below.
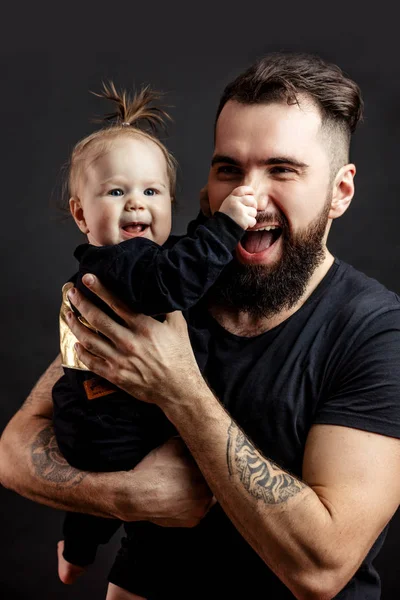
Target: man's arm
<point x="32" y="465"/>
<point x="313" y="533"/>
<point x="166" y="487"/>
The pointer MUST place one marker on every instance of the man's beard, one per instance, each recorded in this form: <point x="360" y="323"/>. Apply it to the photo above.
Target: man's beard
<point x="263" y="291"/>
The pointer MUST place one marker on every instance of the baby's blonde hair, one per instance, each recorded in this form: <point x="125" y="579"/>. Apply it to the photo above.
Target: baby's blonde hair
<point x="133" y="116"/>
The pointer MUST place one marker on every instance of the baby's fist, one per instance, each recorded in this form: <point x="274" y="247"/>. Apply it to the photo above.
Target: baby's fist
<point x="241" y="206"/>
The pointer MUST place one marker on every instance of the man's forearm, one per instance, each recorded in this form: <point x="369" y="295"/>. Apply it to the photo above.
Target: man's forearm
<point x="280" y="516"/>
<point x="32" y="465"/>
<point x="166" y="487"/>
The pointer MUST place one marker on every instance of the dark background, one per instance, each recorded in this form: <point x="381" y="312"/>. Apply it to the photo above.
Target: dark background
<point x="50" y="56"/>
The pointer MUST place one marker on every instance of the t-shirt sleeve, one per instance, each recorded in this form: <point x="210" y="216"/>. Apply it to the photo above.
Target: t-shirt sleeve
<point x="363" y="390"/>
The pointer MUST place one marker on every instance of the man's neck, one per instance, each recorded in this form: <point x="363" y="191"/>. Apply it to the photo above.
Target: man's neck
<point x="245" y="325"/>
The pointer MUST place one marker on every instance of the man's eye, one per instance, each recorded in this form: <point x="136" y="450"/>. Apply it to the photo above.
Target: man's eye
<point x="116" y="192"/>
<point x="150" y="192"/>
<point x="228" y="170"/>
<point x="282" y="171"/>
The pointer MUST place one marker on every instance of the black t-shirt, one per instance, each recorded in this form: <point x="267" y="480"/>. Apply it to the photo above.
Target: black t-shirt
<point x="335" y="361"/>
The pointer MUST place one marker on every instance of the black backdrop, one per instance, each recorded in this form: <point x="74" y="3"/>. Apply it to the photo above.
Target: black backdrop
<point x="50" y="56"/>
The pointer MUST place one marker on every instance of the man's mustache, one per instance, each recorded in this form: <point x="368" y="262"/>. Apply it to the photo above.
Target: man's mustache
<point x="267" y="217"/>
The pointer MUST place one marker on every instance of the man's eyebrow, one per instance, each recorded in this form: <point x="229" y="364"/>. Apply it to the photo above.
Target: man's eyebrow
<point x="285" y="160"/>
<point x="222" y="158"/>
<point x="276" y="160"/>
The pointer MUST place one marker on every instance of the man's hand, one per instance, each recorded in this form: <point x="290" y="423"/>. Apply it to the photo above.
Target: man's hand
<point x="150" y="360"/>
<point x="177" y="494"/>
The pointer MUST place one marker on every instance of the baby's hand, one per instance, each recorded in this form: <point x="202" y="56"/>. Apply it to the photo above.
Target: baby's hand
<point x="241" y="206"/>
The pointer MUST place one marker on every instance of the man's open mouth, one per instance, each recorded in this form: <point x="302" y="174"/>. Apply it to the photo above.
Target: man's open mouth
<point x="135" y="227"/>
<point x="261" y="239"/>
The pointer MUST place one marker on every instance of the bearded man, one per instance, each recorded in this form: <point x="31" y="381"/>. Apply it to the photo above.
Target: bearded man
<point x="296" y="425"/>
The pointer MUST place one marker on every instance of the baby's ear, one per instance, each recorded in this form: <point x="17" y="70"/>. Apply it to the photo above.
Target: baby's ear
<point x="76" y="209"/>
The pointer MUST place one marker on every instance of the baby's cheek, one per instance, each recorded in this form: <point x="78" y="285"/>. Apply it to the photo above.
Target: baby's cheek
<point x="163" y="229"/>
<point x="165" y="214"/>
<point x="108" y="220"/>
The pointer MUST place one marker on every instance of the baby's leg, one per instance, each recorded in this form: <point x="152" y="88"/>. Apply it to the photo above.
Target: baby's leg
<point x="83" y="534"/>
<point x="67" y="572"/>
<point x="115" y="592"/>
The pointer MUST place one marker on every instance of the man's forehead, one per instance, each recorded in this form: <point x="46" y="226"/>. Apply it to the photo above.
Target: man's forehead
<point x="244" y="120"/>
<point x="262" y="131"/>
<point x="305" y="108"/>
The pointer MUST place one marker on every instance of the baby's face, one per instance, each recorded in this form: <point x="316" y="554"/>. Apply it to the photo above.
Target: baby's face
<point x="124" y="193"/>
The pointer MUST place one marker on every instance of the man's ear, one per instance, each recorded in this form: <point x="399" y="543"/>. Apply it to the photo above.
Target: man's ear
<point x="343" y="191"/>
<point x="76" y="209"/>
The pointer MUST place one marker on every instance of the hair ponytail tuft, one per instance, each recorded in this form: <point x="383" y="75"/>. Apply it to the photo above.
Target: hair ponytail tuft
<point x="136" y="111"/>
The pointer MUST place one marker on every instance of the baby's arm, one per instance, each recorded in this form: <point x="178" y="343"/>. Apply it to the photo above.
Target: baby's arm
<point x="153" y="280"/>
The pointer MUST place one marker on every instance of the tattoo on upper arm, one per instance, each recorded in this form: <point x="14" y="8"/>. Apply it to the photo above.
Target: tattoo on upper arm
<point x="261" y="477"/>
<point x="48" y="462"/>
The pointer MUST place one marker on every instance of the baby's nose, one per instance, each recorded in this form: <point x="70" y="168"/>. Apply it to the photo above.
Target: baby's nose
<point x="135" y="201"/>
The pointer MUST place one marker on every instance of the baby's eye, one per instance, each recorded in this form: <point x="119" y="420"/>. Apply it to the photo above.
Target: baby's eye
<point x="116" y="192"/>
<point x="150" y="192"/>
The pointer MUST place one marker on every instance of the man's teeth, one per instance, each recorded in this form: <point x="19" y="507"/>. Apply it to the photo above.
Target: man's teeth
<point x="268" y="228"/>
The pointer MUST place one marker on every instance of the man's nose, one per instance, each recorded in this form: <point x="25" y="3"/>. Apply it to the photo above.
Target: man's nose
<point x="261" y="191"/>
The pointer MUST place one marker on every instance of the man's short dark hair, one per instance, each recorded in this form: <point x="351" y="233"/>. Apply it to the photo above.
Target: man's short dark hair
<point x="283" y="77"/>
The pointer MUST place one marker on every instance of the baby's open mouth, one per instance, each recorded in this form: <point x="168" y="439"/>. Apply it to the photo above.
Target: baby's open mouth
<point x="260" y="239"/>
<point x="135" y="227"/>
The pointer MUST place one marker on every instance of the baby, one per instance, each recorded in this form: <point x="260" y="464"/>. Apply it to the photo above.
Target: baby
<point x="121" y="186"/>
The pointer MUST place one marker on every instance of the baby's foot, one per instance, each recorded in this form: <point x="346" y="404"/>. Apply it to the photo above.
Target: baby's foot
<point x="67" y="572"/>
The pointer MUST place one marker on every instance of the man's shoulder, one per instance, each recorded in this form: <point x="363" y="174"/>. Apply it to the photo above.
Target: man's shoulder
<point x="356" y="289"/>
<point x="360" y="303"/>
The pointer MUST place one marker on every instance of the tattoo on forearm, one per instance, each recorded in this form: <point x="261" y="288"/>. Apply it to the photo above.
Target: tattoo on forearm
<point x="261" y="477"/>
<point x="49" y="463"/>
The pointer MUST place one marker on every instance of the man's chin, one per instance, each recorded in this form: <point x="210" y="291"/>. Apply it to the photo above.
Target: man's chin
<point x="245" y="288"/>
<point x="243" y="270"/>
